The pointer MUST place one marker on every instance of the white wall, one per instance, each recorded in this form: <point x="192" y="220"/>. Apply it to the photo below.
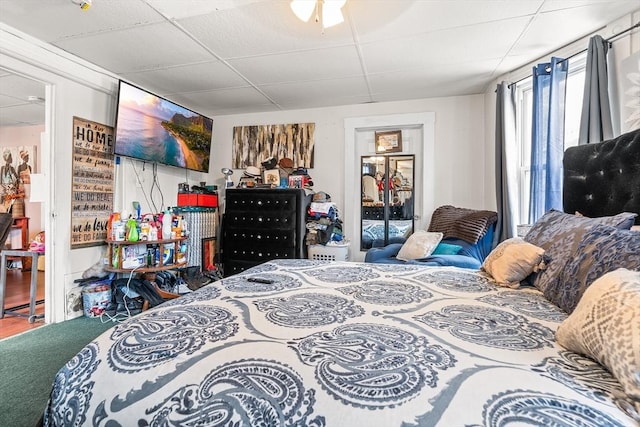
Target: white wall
<point x="78" y="89"/>
<point x="459" y="148"/>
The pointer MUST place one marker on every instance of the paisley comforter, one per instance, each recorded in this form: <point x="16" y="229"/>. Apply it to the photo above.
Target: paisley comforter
<point x="338" y="344"/>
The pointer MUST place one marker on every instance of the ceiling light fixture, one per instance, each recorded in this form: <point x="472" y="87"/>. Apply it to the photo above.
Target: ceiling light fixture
<point x="331" y="14"/>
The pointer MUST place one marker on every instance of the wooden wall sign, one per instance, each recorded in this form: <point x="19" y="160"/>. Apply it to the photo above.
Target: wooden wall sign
<point x="254" y="144"/>
<point x="92" y="182"/>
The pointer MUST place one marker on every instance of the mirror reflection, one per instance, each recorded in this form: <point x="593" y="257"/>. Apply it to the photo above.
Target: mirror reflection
<point x="387" y="200"/>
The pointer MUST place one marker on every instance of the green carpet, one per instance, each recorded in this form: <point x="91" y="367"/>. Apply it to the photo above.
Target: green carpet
<point x="30" y="361"/>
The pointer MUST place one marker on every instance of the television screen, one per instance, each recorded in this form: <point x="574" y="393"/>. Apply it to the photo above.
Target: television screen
<point x="153" y="129"/>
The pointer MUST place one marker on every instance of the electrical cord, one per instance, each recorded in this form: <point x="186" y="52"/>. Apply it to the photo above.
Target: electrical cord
<point x="156" y="184"/>
<point x="144" y="193"/>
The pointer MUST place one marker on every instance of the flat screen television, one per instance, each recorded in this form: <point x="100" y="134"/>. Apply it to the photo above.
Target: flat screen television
<point x="156" y="130"/>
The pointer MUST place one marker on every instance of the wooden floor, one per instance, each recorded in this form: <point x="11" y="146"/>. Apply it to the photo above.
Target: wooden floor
<point x="16" y="294"/>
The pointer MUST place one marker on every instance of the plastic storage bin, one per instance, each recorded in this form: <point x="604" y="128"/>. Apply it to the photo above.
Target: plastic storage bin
<point x="329" y="253"/>
<point x="96" y="298"/>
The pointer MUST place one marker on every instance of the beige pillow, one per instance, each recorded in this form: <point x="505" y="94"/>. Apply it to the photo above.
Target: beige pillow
<point x="419" y="245"/>
<point x="606" y="327"/>
<point x="512" y="261"/>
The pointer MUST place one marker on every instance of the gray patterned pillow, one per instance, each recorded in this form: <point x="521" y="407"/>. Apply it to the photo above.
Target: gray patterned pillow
<point x="601" y="250"/>
<point x="606" y="327"/>
<point x="559" y="233"/>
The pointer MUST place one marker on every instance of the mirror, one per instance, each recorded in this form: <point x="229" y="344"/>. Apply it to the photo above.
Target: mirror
<point x="387" y="200"/>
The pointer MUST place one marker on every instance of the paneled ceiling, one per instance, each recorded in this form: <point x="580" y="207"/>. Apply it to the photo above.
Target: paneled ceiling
<point x="222" y="57"/>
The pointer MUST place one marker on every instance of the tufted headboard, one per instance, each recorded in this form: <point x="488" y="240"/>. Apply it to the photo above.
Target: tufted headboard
<point x="604" y="178"/>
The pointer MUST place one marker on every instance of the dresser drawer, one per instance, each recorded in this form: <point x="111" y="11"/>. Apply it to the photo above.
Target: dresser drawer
<point x="259" y="254"/>
<point x="281" y="220"/>
<point x="261" y="201"/>
<point x="259" y="237"/>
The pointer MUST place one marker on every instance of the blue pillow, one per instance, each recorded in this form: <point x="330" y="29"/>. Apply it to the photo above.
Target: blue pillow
<point x="602" y="249"/>
<point x="446" y="249"/>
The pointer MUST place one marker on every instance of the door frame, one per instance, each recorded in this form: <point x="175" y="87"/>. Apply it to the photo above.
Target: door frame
<point x="358" y="133"/>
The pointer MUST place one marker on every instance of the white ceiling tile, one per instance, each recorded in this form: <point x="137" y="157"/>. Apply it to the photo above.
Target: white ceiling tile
<point x="53" y="20"/>
<point x="454" y="79"/>
<point x="383" y="19"/>
<point x="146" y="47"/>
<point x="316" y="90"/>
<point x="478" y="42"/>
<point x="22" y="115"/>
<point x="261" y="29"/>
<point x="306" y="65"/>
<point x="554" y="29"/>
<point x="9" y="101"/>
<point x="233" y="98"/>
<point x="301" y="104"/>
<point x="187" y="78"/>
<point x="616" y="7"/>
<point x="20" y="87"/>
<point x="216" y="56"/>
<point x="185" y="8"/>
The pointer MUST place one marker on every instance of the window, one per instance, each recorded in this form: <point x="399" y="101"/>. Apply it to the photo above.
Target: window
<point x="524" y="113"/>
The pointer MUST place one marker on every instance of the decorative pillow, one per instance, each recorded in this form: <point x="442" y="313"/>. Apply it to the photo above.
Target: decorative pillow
<point x="469" y="225"/>
<point x="601" y="250"/>
<point x="444" y="248"/>
<point x="512" y="261"/>
<point x="419" y="245"/>
<point x="606" y="327"/>
<point x="559" y="233"/>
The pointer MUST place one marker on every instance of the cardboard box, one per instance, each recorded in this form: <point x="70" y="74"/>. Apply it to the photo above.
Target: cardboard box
<point x="196" y="199"/>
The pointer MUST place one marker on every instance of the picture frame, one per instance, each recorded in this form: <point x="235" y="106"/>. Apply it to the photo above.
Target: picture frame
<point x="208" y="254"/>
<point x="271" y="177"/>
<point x="388" y="141"/>
<point x="296" y="181"/>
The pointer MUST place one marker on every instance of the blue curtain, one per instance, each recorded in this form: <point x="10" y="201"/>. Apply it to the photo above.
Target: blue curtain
<point x="547" y="139"/>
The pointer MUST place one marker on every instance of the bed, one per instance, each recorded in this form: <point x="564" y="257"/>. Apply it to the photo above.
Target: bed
<point x="316" y="343"/>
<point x="338" y="344"/>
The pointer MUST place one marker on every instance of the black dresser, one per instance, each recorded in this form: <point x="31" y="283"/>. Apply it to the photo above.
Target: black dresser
<point x="262" y="224"/>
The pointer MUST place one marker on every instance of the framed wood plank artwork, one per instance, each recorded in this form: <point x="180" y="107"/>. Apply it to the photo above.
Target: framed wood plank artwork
<point x="254" y="144"/>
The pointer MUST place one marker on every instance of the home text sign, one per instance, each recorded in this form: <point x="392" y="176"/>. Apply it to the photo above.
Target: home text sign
<point x="92" y="182"/>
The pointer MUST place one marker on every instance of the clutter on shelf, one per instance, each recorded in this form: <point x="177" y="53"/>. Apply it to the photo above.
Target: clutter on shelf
<point x="272" y="173"/>
<point x="323" y="222"/>
<point x="325" y="238"/>
<point x="169" y="224"/>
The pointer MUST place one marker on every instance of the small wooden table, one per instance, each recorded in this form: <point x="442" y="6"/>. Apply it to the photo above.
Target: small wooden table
<point x="34" y="282"/>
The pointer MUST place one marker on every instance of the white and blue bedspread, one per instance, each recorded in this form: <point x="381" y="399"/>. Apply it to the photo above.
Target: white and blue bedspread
<point x="338" y="344"/>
